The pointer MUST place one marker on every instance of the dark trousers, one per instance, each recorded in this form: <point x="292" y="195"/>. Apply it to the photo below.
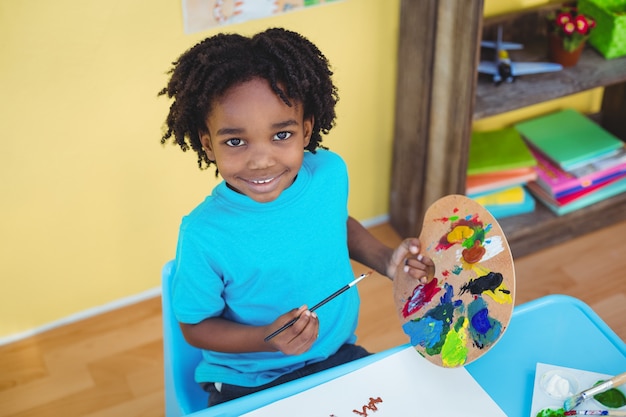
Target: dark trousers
<point x="346" y="353"/>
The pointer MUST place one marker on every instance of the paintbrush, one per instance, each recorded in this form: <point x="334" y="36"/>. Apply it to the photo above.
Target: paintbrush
<point x="594" y="413"/>
<point x="321" y="303"/>
<point x="575" y="400"/>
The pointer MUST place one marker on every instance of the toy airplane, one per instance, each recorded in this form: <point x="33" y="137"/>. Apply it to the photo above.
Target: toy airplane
<point x="503" y="69"/>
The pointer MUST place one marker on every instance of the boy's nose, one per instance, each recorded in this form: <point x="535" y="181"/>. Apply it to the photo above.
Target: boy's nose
<point x="261" y="157"/>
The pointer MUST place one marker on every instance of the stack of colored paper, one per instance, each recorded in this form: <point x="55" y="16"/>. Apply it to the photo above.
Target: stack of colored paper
<point x="499" y="165"/>
<point x="579" y="163"/>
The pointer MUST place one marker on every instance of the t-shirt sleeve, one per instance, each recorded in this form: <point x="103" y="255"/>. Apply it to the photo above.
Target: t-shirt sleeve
<point x="197" y="287"/>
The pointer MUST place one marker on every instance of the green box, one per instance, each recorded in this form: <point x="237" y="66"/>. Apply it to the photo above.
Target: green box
<point x="609" y="35"/>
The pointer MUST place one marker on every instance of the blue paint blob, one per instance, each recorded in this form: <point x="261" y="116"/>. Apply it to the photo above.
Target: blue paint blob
<point x="446" y="298"/>
<point x="425" y="332"/>
<point x="484" y="330"/>
<point x="480" y="321"/>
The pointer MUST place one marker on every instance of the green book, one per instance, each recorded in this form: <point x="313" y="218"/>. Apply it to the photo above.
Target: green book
<point x="498" y="150"/>
<point x="568" y="138"/>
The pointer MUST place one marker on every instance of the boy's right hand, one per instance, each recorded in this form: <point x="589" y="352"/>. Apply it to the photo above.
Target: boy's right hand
<point x="297" y="338"/>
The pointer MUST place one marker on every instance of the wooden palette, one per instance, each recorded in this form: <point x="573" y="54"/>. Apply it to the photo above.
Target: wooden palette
<point x="462" y="313"/>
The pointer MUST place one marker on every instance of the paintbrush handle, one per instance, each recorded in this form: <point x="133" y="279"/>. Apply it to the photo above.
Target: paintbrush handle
<point x="619" y="380"/>
<point x="330" y="297"/>
<point x="318" y="305"/>
<point x="282" y="329"/>
<point x="315" y="307"/>
<point x="606" y="385"/>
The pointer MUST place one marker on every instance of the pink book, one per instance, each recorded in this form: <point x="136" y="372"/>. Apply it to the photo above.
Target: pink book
<point x="560" y="183"/>
<point x="569" y="198"/>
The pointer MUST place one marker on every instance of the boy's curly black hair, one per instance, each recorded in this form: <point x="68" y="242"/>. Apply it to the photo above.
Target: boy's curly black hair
<point x="294" y="67"/>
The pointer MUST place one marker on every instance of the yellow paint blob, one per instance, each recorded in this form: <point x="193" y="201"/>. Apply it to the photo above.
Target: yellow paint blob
<point x="500" y="295"/>
<point x="480" y="270"/>
<point x="459" y="234"/>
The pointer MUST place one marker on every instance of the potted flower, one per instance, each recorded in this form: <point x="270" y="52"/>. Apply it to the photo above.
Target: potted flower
<point x="568" y="32"/>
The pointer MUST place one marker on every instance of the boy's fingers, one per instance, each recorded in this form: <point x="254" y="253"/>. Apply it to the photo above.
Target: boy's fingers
<point x="420" y="267"/>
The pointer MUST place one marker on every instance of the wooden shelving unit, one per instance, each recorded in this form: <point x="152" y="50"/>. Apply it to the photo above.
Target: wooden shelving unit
<point x="434" y="120"/>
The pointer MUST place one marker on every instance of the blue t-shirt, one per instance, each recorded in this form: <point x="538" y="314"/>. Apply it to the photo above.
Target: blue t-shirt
<point x="251" y="262"/>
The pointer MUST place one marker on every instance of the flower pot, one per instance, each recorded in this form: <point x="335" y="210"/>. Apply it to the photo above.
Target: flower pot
<point x="559" y="55"/>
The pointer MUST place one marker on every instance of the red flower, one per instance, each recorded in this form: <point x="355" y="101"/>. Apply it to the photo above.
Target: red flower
<point x="569" y="28"/>
<point x="582" y="25"/>
<point x="563" y="18"/>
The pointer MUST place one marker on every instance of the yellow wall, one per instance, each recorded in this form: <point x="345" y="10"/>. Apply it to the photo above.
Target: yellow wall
<point x="90" y="200"/>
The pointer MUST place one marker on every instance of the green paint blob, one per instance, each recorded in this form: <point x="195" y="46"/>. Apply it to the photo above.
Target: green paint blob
<point x="445" y="314"/>
<point x="612" y="398"/>
<point x="460" y="323"/>
<point x="477" y="236"/>
<point x="549" y="412"/>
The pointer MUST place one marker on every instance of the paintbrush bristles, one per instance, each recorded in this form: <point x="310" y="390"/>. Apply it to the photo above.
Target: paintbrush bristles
<point x="356" y="281"/>
<point x="574" y="401"/>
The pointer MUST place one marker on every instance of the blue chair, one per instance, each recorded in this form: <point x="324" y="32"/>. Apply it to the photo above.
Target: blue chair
<point x="183" y="395"/>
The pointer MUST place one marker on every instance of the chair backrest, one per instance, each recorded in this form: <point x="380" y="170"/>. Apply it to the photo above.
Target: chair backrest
<point x="182" y="394"/>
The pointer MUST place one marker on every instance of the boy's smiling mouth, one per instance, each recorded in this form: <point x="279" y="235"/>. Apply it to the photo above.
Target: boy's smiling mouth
<point x="266" y="185"/>
<point x="262" y="181"/>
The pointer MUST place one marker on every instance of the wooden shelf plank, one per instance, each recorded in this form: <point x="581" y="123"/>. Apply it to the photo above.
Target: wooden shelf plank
<point x="592" y="71"/>
<point x="528" y="233"/>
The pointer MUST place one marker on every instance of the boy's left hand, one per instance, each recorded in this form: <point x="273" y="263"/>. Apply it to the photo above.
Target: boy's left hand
<point x="407" y="258"/>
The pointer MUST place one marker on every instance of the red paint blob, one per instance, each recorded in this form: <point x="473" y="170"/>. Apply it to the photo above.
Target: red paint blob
<point x="422" y="294"/>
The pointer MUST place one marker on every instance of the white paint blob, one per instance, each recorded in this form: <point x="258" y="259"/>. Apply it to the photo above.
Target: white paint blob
<point x="558" y="385"/>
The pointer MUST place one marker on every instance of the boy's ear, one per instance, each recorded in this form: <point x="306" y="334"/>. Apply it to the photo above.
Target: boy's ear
<point x="308" y="129"/>
<point x="205" y="139"/>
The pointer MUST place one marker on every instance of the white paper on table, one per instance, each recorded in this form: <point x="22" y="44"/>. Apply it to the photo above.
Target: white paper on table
<point x="406" y="383"/>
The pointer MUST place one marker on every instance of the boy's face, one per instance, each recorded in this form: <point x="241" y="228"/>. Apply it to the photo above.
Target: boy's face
<point x="256" y="140"/>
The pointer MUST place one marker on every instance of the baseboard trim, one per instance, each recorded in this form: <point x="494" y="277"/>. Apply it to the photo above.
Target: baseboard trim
<point x="82" y="315"/>
<point x="375" y="221"/>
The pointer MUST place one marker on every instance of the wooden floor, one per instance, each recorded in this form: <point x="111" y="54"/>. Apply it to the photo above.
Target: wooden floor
<point x="111" y="365"/>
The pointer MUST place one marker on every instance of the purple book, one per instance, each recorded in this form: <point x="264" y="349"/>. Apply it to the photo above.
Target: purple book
<point x="560" y="183"/>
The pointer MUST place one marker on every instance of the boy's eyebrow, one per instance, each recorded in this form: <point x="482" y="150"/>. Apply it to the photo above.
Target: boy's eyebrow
<point x="230" y="131"/>
<point x="237" y="130"/>
<point x="286" y="123"/>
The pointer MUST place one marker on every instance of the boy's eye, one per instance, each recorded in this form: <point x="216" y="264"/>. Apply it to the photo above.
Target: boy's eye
<point x="282" y="135"/>
<point x="235" y="142"/>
